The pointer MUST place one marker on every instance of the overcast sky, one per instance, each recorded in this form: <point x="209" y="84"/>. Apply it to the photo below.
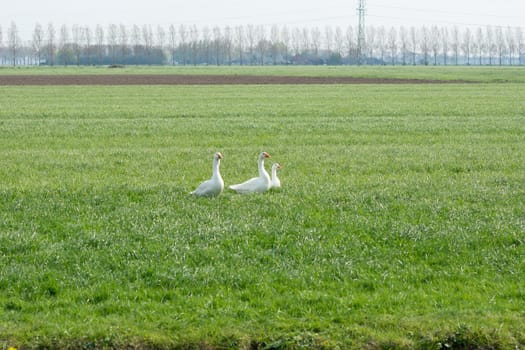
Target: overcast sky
<point x="320" y="13"/>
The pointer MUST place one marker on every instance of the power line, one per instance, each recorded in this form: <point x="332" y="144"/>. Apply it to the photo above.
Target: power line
<point x="433" y="11"/>
<point x="462" y="24"/>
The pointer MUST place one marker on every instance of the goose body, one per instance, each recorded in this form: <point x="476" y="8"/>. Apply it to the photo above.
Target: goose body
<point x="276" y="183"/>
<point x="257" y="184"/>
<point x="214" y="186"/>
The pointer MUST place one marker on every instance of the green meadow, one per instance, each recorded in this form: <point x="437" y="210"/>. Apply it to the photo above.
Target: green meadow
<point x="400" y="224"/>
<point x="504" y="74"/>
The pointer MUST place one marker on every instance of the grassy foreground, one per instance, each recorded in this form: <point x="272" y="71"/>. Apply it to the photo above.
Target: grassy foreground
<point x="401" y="223"/>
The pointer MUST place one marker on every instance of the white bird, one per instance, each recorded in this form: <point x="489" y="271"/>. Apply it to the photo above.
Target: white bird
<point x="276" y="183"/>
<point x="215" y="185"/>
<point x="257" y="184"/>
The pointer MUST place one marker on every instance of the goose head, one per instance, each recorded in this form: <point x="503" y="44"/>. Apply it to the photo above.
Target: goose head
<point x="218" y="156"/>
<point x="264" y="155"/>
<point x="276" y="166"/>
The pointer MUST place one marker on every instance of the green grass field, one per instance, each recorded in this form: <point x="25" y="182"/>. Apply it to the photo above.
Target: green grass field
<point x="400" y="224"/>
<point x="505" y="74"/>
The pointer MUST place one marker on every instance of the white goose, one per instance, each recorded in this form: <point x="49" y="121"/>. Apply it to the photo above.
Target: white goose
<point x="276" y="183"/>
<point x="215" y="185"/>
<point x="257" y="184"/>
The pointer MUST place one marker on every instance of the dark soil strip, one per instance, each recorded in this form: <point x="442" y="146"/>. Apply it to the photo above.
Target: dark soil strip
<point x="118" y="79"/>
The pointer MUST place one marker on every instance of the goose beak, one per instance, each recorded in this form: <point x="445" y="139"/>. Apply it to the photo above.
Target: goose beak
<point x="266" y="155"/>
<point x="219" y="155"/>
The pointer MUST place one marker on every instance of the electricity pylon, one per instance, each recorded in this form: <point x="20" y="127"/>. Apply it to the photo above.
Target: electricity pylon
<point x="361" y="32"/>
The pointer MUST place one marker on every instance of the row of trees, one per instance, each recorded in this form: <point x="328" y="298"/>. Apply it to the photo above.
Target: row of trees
<point x="260" y="45"/>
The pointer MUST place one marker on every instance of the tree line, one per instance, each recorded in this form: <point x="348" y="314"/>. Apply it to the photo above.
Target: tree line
<point x="261" y="45"/>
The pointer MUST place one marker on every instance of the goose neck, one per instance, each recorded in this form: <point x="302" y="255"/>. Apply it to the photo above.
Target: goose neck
<point x="262" y="170"/>
<point x="215" y="169"/>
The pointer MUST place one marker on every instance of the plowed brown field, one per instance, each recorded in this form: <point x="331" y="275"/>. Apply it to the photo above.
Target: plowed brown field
<point x="122" y="79"/>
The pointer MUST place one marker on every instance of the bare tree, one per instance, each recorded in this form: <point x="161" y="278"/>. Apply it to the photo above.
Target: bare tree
<point x="99" y="39"/>
<point x="262" y="43"/>
<point x="491" y="43"/>
<point x="500" y="44"/>
<point x="305" y="45"/>
<point x="112" y="41"/>
<point x="123" y="42"/>
<point x="381" y="40"/>
<point x="520" y="45"/>
<point x="161" y="37"/>
<point x="217" y="37"/>
<point x="227" y="42"/>
<point x="64" y="44"/>
<point x="480" y="45"/>
<point x="285" y="39"/>
<point x="172" y="39"/>
<point x="444" y="44"/>
<point x="511" y="44"/>
<point x="13" y="42"/>
<point x="316" y="43"/>
<point x="38" y="40"/>
<point x="466" y="45"/>
<point x="51" y="34"/>
<point x="296" y="42"/>
<point x="425" y="44"/>
<point x="88" y="36"/>
<point x="413" y="44"/>
<point x="370" y="42"/>
<point x="182" y="42"/>
<point x="147" y="38"/>
<point x="206" y="35"/>
<point x="194" y="39"/>
<point x="328" y="40"/>
<point x="161" y="40"/>
<point x="349" y="43"/>
<point x="76" y="31"/>
<point x="250" y="37"/>
<point x="392" y="45"/>
<point x="274" y="40"/>
<point x="403" y="37"/>
<point x="455" y="44"/>
<point x="435" y="42"/>
<point x="239" y="42"/>
<point x="136" y="41"/>
<point x="338" y="41"/>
